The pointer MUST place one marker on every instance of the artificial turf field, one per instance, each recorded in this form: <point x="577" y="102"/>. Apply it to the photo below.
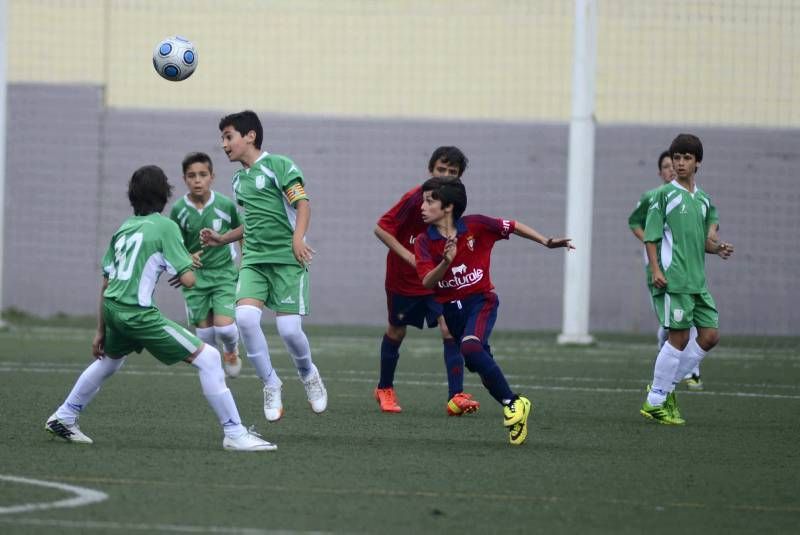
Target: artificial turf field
<point x="591" y="463"/>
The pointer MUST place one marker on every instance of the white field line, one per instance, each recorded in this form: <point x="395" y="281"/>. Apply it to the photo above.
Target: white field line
<point x="422" y="493"/>
<point x="134" y="369"/>
<point x="82" y="496"/>
<point x="336" y="376"/>
<point x="151" y="528"/>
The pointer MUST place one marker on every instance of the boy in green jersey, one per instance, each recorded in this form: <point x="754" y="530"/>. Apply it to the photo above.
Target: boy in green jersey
<point x="275" y="257"/>
<point x="210" y="302"/>
<point x="145" y="246"/>
<point x="678" y="233"/>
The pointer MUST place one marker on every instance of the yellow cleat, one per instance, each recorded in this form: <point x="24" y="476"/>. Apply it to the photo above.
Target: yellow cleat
<point x="517" y="412"/>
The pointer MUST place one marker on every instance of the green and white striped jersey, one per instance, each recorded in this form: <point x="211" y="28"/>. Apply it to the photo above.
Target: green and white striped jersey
<point x="678" y="222"/>
<point x="219" y="214"/>
<point x="638" y="219"/>
<point x="141" y="249"/>
<point x="268" y="192"/>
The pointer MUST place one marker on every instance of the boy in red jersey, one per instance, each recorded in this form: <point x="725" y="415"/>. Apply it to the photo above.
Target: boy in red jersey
<point x="453" y="257"/>
<point x="409" y="302"/>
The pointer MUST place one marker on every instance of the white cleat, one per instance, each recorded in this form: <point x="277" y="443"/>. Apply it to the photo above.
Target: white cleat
<point x="273" y="406"/>
<point x="248" y="441"/>
<point x="69" y="432"/>
<point x="232" y="364"/>
<point x="315" y="391"/>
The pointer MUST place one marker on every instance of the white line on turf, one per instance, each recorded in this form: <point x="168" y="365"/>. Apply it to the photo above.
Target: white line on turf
<point x="336" y="376"/>
<point x="152" y="528"/>
<point x="82" y="496"/>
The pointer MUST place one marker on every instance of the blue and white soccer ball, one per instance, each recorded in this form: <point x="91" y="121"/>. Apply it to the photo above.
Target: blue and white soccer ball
<point x="175" y="58"/>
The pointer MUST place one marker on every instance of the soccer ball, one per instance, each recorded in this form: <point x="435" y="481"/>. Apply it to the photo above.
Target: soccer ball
<point x="175" y="58"/>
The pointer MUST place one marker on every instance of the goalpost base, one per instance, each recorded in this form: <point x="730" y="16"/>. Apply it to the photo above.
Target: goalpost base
<point x="575" y="339"/>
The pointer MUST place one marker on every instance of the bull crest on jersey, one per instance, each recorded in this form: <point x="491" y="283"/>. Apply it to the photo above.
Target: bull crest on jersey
<point x="471" y="242"/>
<point x="216" y="225"/>
<point x="459" y="270"/>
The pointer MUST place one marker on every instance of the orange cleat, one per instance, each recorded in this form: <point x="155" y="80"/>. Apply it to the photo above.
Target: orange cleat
<point x="387" y="399"/>
<point x="462" y="403"/>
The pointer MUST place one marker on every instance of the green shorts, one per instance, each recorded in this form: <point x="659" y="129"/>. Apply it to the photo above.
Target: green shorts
<point x="681" y="311"/>
<point x="132" y="328"/>
<point x="281" y="287"/>
<point x="219" y="299"/>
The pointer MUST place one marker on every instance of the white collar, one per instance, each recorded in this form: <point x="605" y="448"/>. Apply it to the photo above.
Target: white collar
<point x="190" y="203"/>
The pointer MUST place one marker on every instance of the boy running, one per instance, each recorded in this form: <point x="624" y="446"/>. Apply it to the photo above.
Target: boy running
<point x="209" y="303"/>
<point x="145" y="246"/>
<point x="678" y="233"/>
<point x="408" y="301"/>
<point x="452" y="259"/>
<point x="275" y="257"/>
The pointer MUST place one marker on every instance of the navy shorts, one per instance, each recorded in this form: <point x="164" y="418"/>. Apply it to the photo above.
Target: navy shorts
<point x="473" y="316"/>
<point x="413" y="310"/>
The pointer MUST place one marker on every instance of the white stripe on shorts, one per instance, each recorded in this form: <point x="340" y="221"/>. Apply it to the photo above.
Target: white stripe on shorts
<point x="182" y="340"/>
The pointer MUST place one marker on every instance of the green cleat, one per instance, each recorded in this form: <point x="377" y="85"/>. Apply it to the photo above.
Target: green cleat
<point x="693" y="382"/>
<point x="659" y="413"/>
<point x="518" y="412"/>
<point x="671" y="404"/>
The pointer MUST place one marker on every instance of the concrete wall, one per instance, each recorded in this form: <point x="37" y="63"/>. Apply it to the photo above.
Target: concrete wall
<point x="69" y="160"/>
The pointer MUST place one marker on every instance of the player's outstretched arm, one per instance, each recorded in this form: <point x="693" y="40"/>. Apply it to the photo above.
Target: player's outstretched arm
<point x="209" y="238"/>
<point x="394" y="244"/>
<point x="523" y="230"/>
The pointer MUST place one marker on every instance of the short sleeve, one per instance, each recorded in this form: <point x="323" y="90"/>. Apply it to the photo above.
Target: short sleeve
<point x="654" y="225"/>
<point x="408" y="206"/>
<point x="638" y="217"/>
<point x="422" y="256"/>
<point x="173" y="248"/>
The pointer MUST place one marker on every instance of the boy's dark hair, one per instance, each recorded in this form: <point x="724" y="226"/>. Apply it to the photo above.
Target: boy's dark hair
<point x="449" y="192"/>
<point x="197" y="157"/>
<point x="665" y="154"/>
<point x="450" y="155"/>
<point x="687" y="144"/>
<point x="149" y="190"/>
<point x="243" y="122"/>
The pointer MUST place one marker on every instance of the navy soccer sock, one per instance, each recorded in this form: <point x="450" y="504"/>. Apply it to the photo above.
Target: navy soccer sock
<point x="479" y="361"/>
<point x="454" y="365"/>
<point x="390" y="354"/>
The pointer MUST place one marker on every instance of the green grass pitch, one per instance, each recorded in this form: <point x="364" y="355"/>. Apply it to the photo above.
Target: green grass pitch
<point x="591" y="464"/>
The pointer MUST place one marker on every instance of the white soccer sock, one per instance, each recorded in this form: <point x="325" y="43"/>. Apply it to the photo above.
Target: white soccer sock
<point x="690" y="359"/>
<point x="291" y="332"/>
<point x="229" y="335"/>
<point x="663" y="334"/>
<point x="663" y="374"/>
<point x="86" y="387"/>
<point x="207" y="335"/>
<point x="248" y="319"/>
<point x="212" y="380"/>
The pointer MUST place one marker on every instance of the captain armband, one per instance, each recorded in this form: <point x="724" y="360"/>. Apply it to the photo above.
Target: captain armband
<point x="295" y="193"/>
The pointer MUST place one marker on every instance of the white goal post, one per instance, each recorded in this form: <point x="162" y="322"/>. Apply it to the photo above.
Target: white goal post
<point x="580" y="177"/>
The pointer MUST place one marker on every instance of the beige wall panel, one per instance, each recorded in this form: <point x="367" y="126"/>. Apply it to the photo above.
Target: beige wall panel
<point x="683" y="61"/>
<point x="56" y="41"/>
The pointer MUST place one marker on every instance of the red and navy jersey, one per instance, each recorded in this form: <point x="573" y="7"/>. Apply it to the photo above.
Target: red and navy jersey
<point x="404" y="222"/>
<point x="468" y="274"/>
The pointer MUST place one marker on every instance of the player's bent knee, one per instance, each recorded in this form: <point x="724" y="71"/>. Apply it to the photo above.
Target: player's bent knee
<point x="708" y="338"/>
<point x="248" y="316"/>
<point x="472" y="350"/>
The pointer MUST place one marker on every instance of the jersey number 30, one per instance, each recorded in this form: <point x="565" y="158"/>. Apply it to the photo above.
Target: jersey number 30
<point x="126" y="249"/>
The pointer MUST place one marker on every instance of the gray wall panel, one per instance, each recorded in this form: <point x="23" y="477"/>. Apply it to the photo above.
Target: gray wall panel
<point x="357" y="168"/>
